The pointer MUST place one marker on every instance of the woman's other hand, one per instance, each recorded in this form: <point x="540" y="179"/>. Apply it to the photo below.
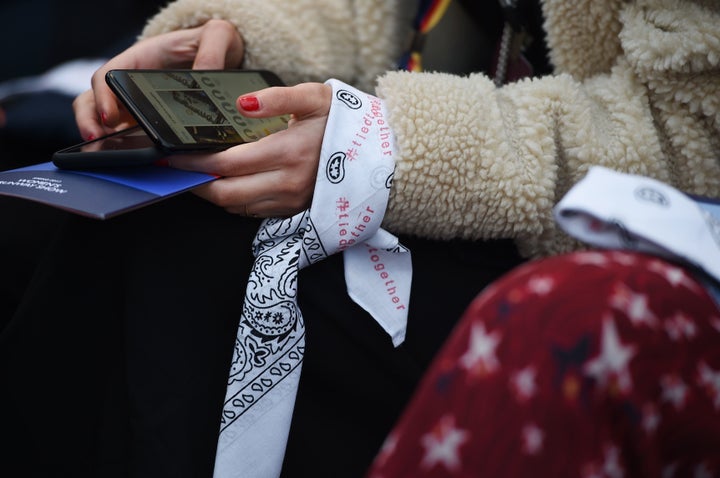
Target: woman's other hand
<point x="274" y="176"/>
<point x="215" y="45"/>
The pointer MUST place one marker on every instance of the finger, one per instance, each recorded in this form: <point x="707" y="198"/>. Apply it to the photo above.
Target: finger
<point x="89" y="124"/>
<point x="107" y="105"/>
<point x="302" y="100"/>
<point x="167" y="50"/>
<point x="209" y="163"/>
<point x="86" y="116"/>
<point x="110" y="113"/>
<point x="266" y="154"/>
<point x="219" y="46"/>
<point x="250" y="195"/>
<point x="238" y="160"/>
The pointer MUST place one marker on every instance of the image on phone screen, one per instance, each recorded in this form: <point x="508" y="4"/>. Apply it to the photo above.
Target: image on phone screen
<point x="194" y="109"/>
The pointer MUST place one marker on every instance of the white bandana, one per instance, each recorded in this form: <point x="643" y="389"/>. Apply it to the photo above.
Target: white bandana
<point x="349" y="202"/>
<point x="614" y="210"/>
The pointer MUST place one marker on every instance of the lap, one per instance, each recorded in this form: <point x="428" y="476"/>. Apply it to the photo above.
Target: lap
<point x="127" y="328"/>
<point x="136" y="316"/>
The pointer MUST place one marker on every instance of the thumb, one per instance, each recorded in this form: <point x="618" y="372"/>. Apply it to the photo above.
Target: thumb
<point x="303" y="100"/>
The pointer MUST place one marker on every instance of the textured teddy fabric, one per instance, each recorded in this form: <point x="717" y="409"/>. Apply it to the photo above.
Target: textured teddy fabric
<point x="637" y="89"/>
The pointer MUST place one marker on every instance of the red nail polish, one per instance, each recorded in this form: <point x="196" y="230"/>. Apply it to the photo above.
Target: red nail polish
<point x="164" y="162"/>
<point x="249" y="103"/>
<point x="103" y="117"/>
<point x="90" y="137"/>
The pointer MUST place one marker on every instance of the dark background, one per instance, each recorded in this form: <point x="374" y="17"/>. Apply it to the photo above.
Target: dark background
<point x="36" y="35"/>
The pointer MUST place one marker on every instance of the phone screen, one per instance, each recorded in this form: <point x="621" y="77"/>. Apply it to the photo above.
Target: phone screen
<point x="195" y="108"/>
<point x="129" y="147"/>
<point x="131" y="139"/>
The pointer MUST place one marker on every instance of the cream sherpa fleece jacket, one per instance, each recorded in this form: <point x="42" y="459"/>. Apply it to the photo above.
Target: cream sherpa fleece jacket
<point x="637" y="89"/>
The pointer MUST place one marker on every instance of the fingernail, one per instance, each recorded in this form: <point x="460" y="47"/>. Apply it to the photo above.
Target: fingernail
<point x="90" y="137"/>
<point x="164" y="162"/>
<point x="103" y="116"/>
<point x="249" y="103"/>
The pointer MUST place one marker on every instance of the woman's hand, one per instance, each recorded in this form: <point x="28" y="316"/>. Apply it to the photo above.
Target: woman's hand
<point x="274" y="176"/>
<point x="215" y="45"/>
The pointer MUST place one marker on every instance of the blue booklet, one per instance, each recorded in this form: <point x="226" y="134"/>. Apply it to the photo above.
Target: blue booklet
<point x="99" y="194"/>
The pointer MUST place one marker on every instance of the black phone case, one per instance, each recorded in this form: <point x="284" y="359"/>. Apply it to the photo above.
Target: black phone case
<point x="72" y="158"/>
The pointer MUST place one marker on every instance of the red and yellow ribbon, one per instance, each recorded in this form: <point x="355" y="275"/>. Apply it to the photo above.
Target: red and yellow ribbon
<point x="429" y="14"/>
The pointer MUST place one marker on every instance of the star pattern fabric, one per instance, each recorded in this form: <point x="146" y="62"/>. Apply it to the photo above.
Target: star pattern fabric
<point x="593" y="364"/>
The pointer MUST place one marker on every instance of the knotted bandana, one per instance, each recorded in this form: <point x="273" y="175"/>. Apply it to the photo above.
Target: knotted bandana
<point x="351" y="194"/>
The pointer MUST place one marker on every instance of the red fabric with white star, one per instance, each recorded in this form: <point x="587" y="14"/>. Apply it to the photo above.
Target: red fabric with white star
<point x="594" y="364"/>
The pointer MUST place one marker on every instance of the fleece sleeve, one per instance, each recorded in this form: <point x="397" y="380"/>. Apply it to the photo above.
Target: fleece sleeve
<point x="479" y="162"/>
<point x="302" y="40"/>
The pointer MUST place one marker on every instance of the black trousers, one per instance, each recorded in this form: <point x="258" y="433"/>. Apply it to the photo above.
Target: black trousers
<point x="115" y="362"/>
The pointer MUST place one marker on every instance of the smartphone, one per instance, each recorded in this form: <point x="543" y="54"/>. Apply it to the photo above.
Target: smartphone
<point x="129" y="147"/>
<point x="194" y="110"/>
